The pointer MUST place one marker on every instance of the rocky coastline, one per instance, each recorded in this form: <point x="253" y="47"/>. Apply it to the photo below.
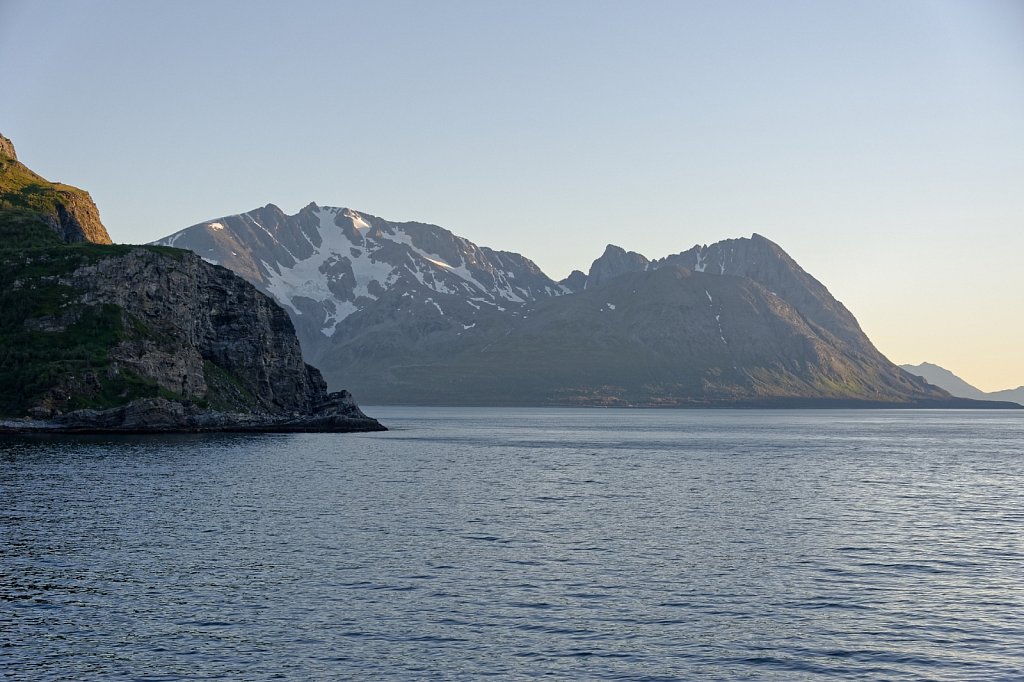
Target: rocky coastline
<point x="338" y="413"/>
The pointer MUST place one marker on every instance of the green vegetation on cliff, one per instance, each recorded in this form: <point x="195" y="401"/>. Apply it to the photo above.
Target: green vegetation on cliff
<point x="56" y="350"/>
<point x="53" y="345"/>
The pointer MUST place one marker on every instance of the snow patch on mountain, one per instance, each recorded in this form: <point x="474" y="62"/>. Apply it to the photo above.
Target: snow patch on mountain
<point x="325" y="263"/>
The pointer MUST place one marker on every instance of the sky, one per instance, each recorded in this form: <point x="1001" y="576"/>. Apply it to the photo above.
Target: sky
<point x="879" y="142"/>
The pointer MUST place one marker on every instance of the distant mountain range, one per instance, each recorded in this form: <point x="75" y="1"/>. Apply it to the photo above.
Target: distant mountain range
<point x="943" y="378"/>
<point x="409" y="313"/>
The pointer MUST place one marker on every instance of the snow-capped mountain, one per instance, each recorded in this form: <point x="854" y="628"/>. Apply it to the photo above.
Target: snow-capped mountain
<point x="326" y="263"/>
<point x="411" y="313"/>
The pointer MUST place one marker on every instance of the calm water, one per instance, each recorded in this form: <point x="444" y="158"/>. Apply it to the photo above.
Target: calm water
<point x="586" y="544"/>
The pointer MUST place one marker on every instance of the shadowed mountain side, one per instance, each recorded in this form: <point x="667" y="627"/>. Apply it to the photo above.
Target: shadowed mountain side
<point x="668" y="337"/>
<point x="756" y="258"/>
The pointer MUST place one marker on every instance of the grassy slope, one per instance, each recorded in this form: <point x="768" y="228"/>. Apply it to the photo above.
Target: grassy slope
<point x="26" y="200"/>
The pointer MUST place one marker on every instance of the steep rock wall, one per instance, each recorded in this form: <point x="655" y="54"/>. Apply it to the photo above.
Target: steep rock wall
<point x="193" y="314"/>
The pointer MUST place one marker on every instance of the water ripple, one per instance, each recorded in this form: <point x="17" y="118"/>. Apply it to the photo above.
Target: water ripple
<point x="580" y="544"/>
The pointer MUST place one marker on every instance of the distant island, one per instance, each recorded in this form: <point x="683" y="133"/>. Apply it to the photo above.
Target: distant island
<point x="409" y="313"/>
<point x="943" y="378"/>
<point x="97" y="337"/>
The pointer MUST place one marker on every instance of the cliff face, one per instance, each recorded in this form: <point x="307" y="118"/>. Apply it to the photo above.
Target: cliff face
<point x="29" y="203"/>
<point x="134" y="338"/>
<point x="141" y="339"/>
<point x="195" y="313"/>
<point x="76" y="218"/>
<point x="99" y="337"/>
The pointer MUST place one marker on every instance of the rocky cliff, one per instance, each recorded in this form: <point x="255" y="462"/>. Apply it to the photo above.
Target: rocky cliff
<point x="140" y="339"/>
<point x="44" y="211"/>
<point x="100" y="337"/>
<point x="7" y="148"/>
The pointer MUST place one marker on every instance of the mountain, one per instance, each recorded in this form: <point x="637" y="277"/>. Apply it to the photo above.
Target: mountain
<point x="103" y="337"/>
<point x="409" y="313"/>
<point x="946" y="380"/>
<point x="324" y="264"/>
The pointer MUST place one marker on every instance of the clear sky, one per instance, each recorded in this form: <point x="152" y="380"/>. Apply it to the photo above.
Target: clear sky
<point x="881" y="143"/>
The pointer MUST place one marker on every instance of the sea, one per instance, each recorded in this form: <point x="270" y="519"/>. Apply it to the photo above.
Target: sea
<point x="568" y="544"/>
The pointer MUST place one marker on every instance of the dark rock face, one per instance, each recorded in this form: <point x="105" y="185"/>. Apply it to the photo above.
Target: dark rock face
<point x="77" y="219"/>
<point x="222" y="355"/>
<point x="196" y="312"/>
<point x="198" y="315"/>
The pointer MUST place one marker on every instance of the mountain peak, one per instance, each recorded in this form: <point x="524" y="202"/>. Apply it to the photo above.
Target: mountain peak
<point x="575" y="282"/>
<point x="613" y="262"/>
<point x="945" y="379"/>
<point x="327" y="263"/>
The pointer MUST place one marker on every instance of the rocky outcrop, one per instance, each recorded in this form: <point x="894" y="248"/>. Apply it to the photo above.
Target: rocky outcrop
<point x="334" y="413"/>
<point x="222" y="355"/>
<point x="613" y="262"/>
<point x="27" y="198"/>
<point x="193" y="313"/>
<point x="76" y="218"/>
<point x="7" y="148"/>
<point x="106" y="338"/>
